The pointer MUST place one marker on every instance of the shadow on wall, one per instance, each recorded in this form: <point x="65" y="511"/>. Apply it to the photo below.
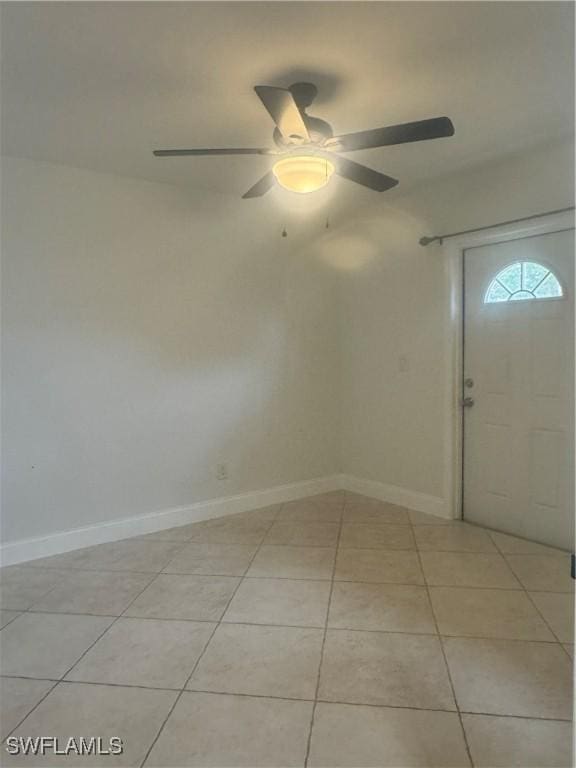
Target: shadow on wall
<point x="368" y="240"/>
<point x="392" y="331"/>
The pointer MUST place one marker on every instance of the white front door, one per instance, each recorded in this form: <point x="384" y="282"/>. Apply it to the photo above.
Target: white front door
<point x="518" y="373"/>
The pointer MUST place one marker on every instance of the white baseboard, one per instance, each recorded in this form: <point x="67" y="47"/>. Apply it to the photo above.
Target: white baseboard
<point x="394" y="494"/>
<point x="114" y="530"/>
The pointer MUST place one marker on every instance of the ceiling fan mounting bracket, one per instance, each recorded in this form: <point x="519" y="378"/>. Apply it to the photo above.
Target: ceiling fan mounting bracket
<point x="303" y="93"/>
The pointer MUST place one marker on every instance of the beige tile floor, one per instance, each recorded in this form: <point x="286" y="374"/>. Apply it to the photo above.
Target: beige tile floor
<point x="333" y="631"/>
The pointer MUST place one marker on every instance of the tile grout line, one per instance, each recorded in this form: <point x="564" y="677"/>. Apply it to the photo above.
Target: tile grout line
<point x="296" y="626"/>
<point x="44" y="595"/>
<point x="68" y="573"/>
<point x="19" y="723"/>
<point x="61" y="679"/>
<point x="18" y="613"/>
<point x="58" y="584"/>
<point x="100" y="636"/>
<point x="449" y="674"/>
<point x="332" y="580"/>
<point x="29" y="563"/>
<point x="217" y="624"/>
<point x="32" y="609"/>
<point x="154" y="576"/>
<point x="287" y="698"/>
<point x="529" y="597"/>
<point x="490" y="531"/>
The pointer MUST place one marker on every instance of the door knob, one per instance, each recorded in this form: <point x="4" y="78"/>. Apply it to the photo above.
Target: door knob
<point x="467" y="402"/>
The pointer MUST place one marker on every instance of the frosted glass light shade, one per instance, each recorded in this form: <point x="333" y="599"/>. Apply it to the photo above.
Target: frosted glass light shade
<point x="304" y="173"/>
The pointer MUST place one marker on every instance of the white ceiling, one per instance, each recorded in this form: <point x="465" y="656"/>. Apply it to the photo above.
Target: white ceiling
<point x="99" y="85"/>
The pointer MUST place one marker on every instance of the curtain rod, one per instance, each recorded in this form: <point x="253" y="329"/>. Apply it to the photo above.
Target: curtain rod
<point x="440" y="238"/>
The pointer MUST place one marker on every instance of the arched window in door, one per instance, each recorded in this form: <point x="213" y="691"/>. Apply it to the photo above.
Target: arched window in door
<point x="523" y="280"/>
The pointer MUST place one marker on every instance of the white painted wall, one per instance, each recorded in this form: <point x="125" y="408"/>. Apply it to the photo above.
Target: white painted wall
<point x="531" y="182"/>
<point x="394" y="312"/>
<point x="150" y="333"/>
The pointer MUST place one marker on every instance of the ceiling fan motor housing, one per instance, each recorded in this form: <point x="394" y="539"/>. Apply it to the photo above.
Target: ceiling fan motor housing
<point x="320" y="131"/>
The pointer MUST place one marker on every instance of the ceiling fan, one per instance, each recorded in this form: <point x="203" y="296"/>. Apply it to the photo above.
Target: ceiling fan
<point x="307" y="149"/>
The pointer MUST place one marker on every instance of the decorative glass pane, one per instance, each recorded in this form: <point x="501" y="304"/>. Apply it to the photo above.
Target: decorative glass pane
<point x="511" y="277"/>
<point x="497" y="292"/>
<point x="548" y="288"/>
<point x="521" y="281"/>
<point x="533" y="274"/>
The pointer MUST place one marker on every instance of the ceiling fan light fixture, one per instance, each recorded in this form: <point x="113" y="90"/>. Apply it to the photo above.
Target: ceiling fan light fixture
<point x="308" y="145"/>
<point x="303" y="173"/>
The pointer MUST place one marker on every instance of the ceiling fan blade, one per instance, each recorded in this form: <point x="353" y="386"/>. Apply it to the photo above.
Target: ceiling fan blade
<point x="422" y="130"/>
<point x="282" y="108"/>
<point x="367" y="177"/>
<point x="184" y="152"/>
<point x="262" y="186"/>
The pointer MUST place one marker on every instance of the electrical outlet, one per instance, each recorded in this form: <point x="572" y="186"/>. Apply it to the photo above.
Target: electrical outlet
<point x="221" y="471"/>
<point x="403" y="364"/>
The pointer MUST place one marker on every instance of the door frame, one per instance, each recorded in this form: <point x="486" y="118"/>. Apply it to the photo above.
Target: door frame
<point x="452" y="251"/>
